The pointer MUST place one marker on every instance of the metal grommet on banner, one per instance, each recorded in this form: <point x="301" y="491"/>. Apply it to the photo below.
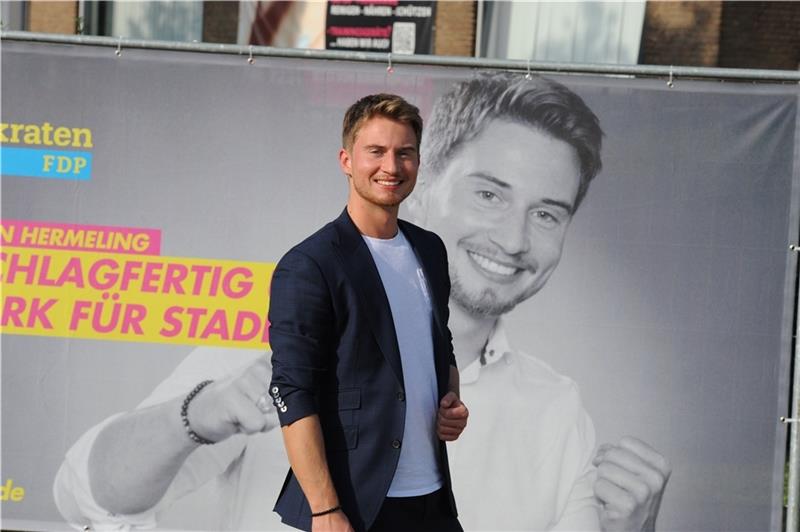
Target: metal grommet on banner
<point x="794" y="247"/>
<point x="671" y="80"/>
<point x="528" y="75"/>
<point x="250" y="59"/>
<point x="390" y="68"/>
<point x="118" y="51"/>
<point x="786" y="420"/>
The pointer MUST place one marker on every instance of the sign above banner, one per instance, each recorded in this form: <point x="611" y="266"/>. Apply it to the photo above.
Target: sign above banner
<point x="396" y="26"/>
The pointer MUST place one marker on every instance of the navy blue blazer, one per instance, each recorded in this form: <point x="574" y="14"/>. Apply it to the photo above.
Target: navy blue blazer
<point x="335" y="354"/>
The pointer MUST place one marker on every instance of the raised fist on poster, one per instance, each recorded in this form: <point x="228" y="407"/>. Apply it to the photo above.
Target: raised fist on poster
<point x="238" y="403"/>
<point x="631" y="477"/>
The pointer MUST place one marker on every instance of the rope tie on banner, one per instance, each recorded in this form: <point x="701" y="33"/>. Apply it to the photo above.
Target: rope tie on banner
<point x="118" y="51"/>
<point x="250" y="59"/>
<point x="786" y="420"/>
<point x="671" y="80"/>
<point x="390" y="68"/>
<point x="528" y="75"/>
<point x="794" y="247"/>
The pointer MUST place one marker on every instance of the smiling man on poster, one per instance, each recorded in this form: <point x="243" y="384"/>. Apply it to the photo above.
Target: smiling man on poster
<point x="507" y="160"/>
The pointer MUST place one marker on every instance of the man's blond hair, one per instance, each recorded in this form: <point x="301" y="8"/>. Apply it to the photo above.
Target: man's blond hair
<point x="390" y="106"/>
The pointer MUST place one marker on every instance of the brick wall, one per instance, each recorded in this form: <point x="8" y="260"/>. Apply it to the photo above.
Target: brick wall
<point x="220" y="22"/>
<point x="724" y="34"/>
<point x="760" y="35"/>
<point x="681" y="33"/>
<point x="455" y="28"/>
<point x="52" y="17"/>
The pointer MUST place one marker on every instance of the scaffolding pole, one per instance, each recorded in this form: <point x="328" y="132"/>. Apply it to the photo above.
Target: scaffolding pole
<point x="793" y="480"/>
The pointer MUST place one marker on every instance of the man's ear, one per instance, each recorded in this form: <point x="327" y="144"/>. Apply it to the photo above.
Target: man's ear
<point x="345" y="162"/>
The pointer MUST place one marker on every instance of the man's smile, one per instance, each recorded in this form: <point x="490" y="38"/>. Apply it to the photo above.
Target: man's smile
<point x="494" y="268"/>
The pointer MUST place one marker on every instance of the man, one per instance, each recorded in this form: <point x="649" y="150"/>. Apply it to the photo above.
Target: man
<point x="506" y="163"/>
<point x="362" y="359"/>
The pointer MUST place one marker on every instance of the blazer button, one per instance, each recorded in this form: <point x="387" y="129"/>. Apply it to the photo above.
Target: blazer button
<point x="396" y="444"/>
<point x="401" y="396"/>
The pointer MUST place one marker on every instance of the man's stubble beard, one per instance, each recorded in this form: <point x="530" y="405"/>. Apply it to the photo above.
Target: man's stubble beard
<point x="484" y="304"/>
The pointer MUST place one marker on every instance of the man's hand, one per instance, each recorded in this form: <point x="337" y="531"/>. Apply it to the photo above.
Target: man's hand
<point x="631" y="477"/>
<point x="228" y="406"/>
<point x="452" y="417"/>
<point x="333" y="522"/>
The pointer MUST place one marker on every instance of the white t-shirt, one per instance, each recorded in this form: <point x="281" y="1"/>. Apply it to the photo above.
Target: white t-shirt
<point x="404" y="282"/>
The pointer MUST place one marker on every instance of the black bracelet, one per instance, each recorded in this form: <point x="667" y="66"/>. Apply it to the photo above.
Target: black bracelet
<point x="326" y="512"/>
<point x="185" y="408"/>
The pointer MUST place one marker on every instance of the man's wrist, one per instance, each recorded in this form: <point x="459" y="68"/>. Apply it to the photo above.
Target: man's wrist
<point x="195" y="437"/>
<point x="330" y="510"/>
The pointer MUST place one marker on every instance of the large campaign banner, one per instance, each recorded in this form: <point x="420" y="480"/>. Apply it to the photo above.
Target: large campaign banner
<point x="147" y="196"/>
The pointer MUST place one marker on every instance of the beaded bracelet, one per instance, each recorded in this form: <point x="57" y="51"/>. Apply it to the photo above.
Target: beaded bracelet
<point x="184" y="409"/>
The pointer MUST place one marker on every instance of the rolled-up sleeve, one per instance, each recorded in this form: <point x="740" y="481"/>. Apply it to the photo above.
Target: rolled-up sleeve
<point x="301" y="327"/>
<point x="74" y="498"/>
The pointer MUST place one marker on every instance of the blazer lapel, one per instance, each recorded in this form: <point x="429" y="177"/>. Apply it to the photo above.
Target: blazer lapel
<point x="429" y="266"/>
<point x="363" y="274"/>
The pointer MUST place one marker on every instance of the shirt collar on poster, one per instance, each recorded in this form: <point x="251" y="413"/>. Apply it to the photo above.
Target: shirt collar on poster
<point x="496" y="349"/>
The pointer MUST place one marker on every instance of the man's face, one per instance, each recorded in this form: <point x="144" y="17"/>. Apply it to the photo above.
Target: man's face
<point x="382" y="163"/>
<point x="502" y="207"/>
